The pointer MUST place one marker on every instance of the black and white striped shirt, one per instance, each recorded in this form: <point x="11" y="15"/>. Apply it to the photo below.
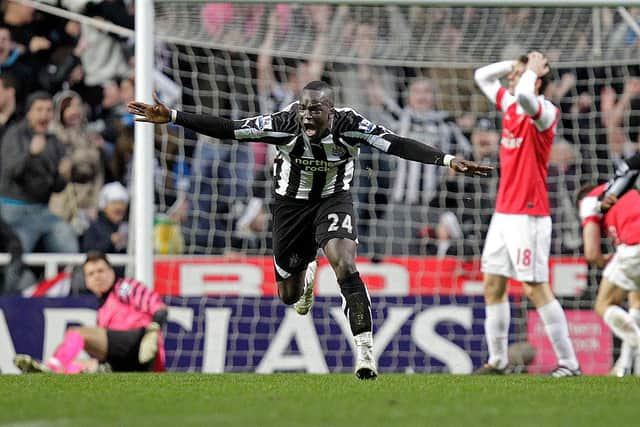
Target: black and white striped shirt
<point x="310" y="171"/>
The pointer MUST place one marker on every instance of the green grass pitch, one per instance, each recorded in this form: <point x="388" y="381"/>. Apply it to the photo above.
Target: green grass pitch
<point x="316" y="400"/>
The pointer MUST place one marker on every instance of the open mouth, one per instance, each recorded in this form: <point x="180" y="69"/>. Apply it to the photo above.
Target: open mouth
<point x="309" y="129"/>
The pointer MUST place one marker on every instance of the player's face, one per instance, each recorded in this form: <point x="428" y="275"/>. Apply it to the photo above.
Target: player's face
<point x="514" y="76"/>
<point x="99" y="277"/>
<point x="314" y="114"/>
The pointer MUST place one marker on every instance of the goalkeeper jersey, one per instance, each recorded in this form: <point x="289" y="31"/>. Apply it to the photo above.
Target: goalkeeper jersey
<point x="311" y="171"/>
<point x="131" y="305"/>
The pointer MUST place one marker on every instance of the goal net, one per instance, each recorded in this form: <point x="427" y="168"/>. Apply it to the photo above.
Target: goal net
<point x="421" y="229"/>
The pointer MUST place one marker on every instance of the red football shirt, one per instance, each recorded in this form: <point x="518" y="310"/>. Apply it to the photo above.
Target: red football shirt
<point x="524" y="158"/>
<point x="621" y="222"/>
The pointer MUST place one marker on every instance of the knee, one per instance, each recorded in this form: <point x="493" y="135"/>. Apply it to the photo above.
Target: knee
<point x="601" y="306"/>
<point x="290" y="290"/>
<point x="288" y="297"/>
<point x="343" y="267"/>
<point x="493" y="292"/>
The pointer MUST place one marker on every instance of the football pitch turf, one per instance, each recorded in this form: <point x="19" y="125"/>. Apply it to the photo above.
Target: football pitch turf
<point x="316" y="400"/>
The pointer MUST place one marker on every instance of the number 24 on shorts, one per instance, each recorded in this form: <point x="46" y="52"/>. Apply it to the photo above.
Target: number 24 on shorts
<point x="335" y="219"/>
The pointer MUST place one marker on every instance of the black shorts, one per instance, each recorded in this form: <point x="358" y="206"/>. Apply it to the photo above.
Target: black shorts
<point x="122" y="350"/>
<point x="300" y="227"/>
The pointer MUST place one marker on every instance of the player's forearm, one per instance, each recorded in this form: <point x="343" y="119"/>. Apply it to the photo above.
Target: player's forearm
<point x="624" y="181"/>
<point x="526" y="93"/>
<point x="216" y="127"/>
<point x="487" y="77"/>
<point x="634" y="161"/>
<point x="410" y="149"/>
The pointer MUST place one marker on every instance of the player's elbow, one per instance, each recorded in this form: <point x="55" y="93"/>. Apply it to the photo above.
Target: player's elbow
<point x="478" y="76"/>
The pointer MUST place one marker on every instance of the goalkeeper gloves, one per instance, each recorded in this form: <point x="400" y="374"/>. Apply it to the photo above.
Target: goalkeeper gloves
<point x="149" y="343"/>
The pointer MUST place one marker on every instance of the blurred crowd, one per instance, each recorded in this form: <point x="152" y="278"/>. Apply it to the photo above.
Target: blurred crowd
<point x="67" y="140"/>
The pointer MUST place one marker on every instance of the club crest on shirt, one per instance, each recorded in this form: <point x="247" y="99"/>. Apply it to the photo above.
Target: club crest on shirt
<point x="338" y="151"/>
<point x="509" y="140"/>
<point x="264" y="122"/>
<point x="124" y="289"/>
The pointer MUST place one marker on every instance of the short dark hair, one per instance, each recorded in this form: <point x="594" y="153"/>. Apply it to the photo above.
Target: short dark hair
<point x="320" y="86"/>
<point x="544" y="80"/>
<point x="37" y="96"/>
<point x="583" y="191"/>
<point x="93" y="256"/>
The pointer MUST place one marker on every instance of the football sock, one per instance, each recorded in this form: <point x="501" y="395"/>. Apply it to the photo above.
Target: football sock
<point x="496" y="328"/>
<point x="555" y="324"/>
<point x="66" y="352"/>
<point x="622" y="324"/>
<point x="357" y="303"/>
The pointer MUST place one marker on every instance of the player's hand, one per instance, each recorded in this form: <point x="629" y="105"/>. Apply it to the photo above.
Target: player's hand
<point x="538" y="63"/>
<point x="158" y="113"/>
<point x="607" y="202"/>
<point x="149" y="343"/>
<point x="469" y="167"/>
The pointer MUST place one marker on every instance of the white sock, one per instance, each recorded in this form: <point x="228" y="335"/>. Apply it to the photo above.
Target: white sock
<point x="635" y="313"/>
<point x="625" y="360"/>
<point x="364" y="339"/>
<point x="496" y="329"/>
<point x="555" y="324"/>
<point x="622" y="324"/>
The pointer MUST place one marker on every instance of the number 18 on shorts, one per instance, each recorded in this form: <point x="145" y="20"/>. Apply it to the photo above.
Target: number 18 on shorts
<point x="518" y="246"/>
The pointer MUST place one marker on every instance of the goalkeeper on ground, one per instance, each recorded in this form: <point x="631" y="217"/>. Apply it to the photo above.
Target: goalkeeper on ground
<point x="127" y="338"/>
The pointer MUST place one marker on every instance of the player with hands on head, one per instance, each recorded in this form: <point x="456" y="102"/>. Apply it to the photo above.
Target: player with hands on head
<point x="317" y="145"/>
<point x="519" y="238"/>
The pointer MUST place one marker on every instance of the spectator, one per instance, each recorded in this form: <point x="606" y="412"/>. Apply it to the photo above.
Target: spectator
<point x="11" y="62"/>
<point x="414" y="182"/>
<point x="14" y="272"/>
<point x="8" y="112"/>
<point x="613" y="116"/>
<point x="109" y="231"/>
<point x="104" y="58"/>
<point x="77" y="204"/>
<point x="563" y="182"/>
<point x="32" y="169"/>
<point x="471" y="199"/>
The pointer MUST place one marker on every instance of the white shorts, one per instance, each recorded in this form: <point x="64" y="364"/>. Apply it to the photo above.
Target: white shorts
<point x="517" y="246"/>
<point x="624" y="268"/>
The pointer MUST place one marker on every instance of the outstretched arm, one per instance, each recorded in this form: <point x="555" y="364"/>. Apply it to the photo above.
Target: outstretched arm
<point x="213" y="126"/>
<point x="416" y="151"/>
